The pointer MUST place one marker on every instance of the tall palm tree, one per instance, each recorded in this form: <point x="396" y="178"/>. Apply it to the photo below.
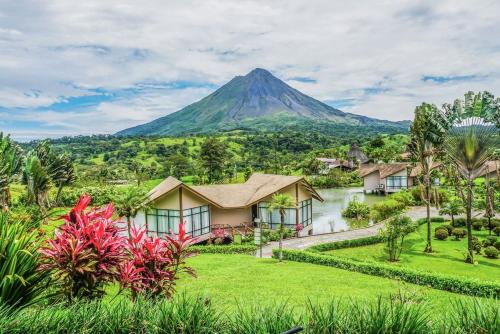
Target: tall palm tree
<point x="37" y="180"/>
<point x="427" y="134"/>
<point x="471" y="142"/>
<point x="281" y="202"/>
<point x="10" y="165"/>
<point x="62" y="172"/>
<point x="129" y="202"/>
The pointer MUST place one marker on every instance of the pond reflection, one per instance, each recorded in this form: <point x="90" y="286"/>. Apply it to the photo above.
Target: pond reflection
<point x="327" y="216"/>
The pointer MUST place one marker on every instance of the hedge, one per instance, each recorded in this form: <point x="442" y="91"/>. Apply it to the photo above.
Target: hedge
<point x="225" y="249"/>
<point x="437" y="281"/>
<point x="328" y="246"/>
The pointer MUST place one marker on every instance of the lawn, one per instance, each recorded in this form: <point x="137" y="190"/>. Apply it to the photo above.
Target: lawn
<point x="242" y="279"/>
<point x="448" y="256"/>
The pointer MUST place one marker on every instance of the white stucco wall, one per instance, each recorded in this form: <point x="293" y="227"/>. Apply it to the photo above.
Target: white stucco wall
<point x="371" y="181"/>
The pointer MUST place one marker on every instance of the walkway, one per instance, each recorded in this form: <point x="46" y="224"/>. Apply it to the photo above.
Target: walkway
<point x="304" y="242"/>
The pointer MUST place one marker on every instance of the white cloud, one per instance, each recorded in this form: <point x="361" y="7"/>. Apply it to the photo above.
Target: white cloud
<point x="58" y="49"/>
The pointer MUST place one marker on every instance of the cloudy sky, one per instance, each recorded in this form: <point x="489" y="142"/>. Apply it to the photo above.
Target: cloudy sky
<point x="93" y="66"/>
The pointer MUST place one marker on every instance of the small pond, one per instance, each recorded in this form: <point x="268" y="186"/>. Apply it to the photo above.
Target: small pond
<point x="327" y="216"/>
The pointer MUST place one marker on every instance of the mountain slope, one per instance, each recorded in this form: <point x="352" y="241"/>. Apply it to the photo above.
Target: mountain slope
<point x="257" y="100"/>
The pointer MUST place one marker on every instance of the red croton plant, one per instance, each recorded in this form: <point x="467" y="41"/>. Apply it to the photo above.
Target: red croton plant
<point x="90" y="250"/>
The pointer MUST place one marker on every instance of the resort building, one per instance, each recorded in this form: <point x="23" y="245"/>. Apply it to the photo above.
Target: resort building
<point x="233" y="206"/>
<point x="390" y="177"/>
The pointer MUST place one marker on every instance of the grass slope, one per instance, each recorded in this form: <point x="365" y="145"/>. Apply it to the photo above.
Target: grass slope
<point x="233" y="280"/>
<point x="448" y="256"/>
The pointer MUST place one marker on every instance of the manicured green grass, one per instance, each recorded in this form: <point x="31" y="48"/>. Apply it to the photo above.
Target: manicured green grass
<point x="241" y="279"/>
<point x="448" y="256"/>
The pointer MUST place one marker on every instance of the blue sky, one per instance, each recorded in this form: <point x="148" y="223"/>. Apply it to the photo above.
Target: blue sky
<point x="70" y="68"/>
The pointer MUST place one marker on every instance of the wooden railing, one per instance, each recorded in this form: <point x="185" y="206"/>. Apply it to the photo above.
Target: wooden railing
<point x="231" y="229"/>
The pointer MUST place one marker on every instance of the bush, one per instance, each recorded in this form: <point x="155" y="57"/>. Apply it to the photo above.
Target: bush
<point x="403" y="196"/>
<point x="448" y="227"/>
<point x="437" y="219"/>
<point x="441" y="227"/>
<point x="101" y="195"/>
<point x="437" y="281"/>
<point x="441" y="234"/>
<point x="497" y="245"/>
<point x="459" y="233"/>
<point x="496" y="230"/>
<point x="225" y="249"/>
<point x="460" y="222"/>
<point x="489" y="241"/>
<point x="356" y="209"/>
<point x="491" y="252"/>
<point x="477" y="225"/>
<point x="328" y="246"/>
<point x="386" y="209"/>
<point x="476" y="245"/>
<point x="20" y="279"/>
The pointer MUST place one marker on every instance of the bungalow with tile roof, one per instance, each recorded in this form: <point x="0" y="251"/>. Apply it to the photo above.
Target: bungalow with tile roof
<point x="205" y="208"/>
<point x="390" y="177"/>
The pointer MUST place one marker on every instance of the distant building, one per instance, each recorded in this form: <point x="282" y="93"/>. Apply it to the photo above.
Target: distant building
<point x="390" y="177"/>
<point x="356" y="155"/>
<point x="331" y="163"/>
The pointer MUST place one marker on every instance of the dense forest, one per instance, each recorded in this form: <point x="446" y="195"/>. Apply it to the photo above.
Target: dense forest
<point x="224" y="157"/>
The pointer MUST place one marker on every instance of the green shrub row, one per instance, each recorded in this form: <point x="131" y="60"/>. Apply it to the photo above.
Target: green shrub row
<point x="200" y="315"/>
<point x="225" y="249"/>
<point x="328" y="246"/>
<point x="434" y="280"/>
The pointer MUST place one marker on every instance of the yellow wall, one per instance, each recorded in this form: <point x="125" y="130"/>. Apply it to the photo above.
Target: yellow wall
<point x="290" y="190"/>
<point x="232" y="217"/>
<point x="169" y="201"/>
<point x="191" y="200"/>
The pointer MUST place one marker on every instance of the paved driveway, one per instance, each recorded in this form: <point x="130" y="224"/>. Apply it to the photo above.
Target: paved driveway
<point x="304" y="242"/>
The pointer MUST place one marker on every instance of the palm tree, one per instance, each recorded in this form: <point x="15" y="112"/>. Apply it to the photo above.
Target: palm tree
<point x="37" y="180"/>
<point x="62" y="172"/>
<point x="427" y="134"/>
<point x="10" y="165"/>
<point x="452" y="208"/>
<point x="281" y="202"/>
<point x="129" y="203"/>
<point x="489" y="199"/>
<point x="471" y="142"/>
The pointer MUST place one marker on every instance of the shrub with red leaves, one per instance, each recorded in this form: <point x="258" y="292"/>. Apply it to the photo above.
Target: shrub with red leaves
<point x="86" y="252"/>
<point x="90" y="251"/>
<point x="155" y="263"/>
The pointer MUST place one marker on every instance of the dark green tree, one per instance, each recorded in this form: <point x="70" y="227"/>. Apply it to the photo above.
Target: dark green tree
<point x="213" y="156"/>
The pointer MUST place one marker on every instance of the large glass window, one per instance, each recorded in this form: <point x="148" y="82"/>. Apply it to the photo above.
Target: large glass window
<point x="396" y="182"/>
<point x="305" y="212"/>
<point x="161" y="222"/>
<point x="197" y="220"/>
<point x="273" y="218"/>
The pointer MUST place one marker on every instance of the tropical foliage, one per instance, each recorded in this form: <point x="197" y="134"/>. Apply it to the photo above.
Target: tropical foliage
<point x="281" y="202"/>
<point x="21" y="283"/>
<point x="10" y="165"/>
<point x="394" y="232"/>
<point x="471" y="142"/>
<point x="427" y="135"/>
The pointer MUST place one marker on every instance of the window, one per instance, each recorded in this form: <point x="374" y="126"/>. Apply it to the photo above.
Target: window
<point x="161" y="222"/>
<point x="197" y="220"/>
<point x="274" y="218"/>
<point x="305" y="212"/>
<point x="396" y="182"/>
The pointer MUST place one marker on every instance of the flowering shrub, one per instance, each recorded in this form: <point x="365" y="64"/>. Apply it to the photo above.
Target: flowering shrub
<point x="299" y="227"/>
<point x="154" y="263"/>
<point x="220" y="236"/>
<point x="90" y="250"/>
<point x="87" y="250"/>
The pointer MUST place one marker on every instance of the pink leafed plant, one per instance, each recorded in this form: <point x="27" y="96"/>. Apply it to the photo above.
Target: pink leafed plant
<point x="299" y="227"/>
<point x="90" y="250"/>
<point x="154" y="263"/>
<point x="87" y="250"/>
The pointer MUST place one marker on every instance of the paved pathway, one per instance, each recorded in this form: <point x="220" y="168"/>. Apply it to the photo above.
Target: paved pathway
<point x="304" y="242"/>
